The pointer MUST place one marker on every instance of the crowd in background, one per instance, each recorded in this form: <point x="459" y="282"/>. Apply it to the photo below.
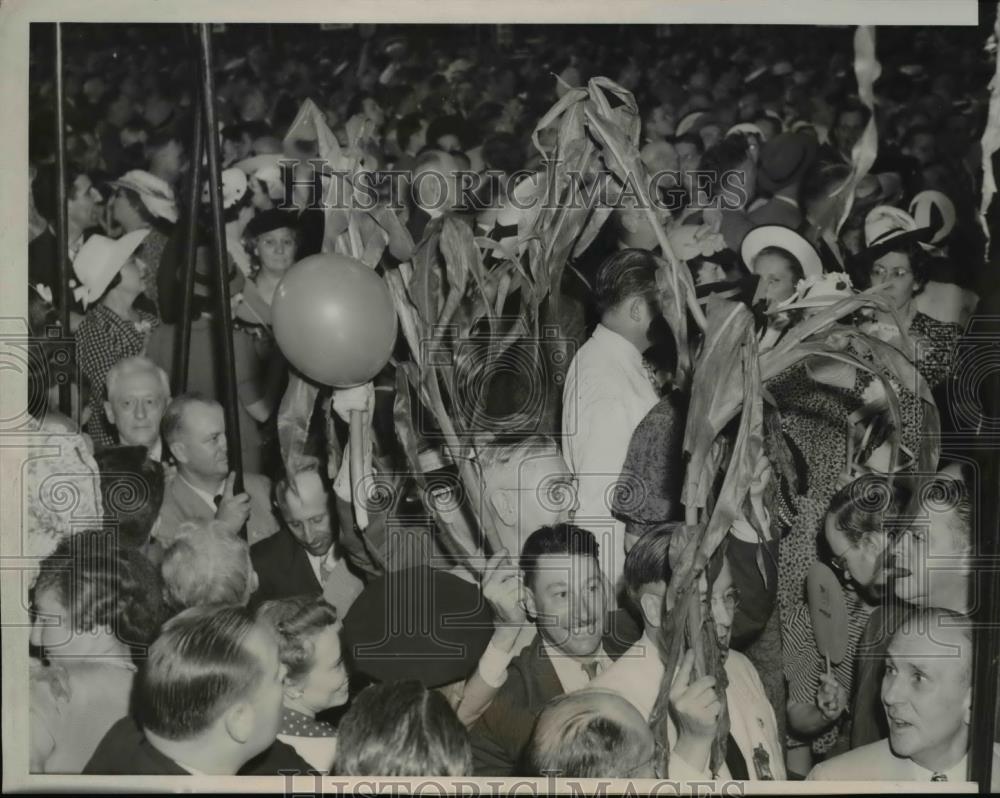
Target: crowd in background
<point x="257" y="630"/>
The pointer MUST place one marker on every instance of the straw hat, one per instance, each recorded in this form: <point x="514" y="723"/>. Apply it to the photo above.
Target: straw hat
<point x="154" y="193"/>
<point x="934" y="210"/>
<point x="775" y="235"/>
<point x="100" y="259"/>
<point x="888" y="228"/>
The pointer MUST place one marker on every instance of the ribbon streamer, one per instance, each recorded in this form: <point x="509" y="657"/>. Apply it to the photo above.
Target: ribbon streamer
<point x="990" y="141"/>
<point x="867" y="69"/>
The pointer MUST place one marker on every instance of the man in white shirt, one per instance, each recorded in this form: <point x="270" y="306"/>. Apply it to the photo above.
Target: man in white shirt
<point x="754" y="750"/>
<point x="608" y="391"/>
<point x="927" y="696"/>
<point x="138" y="392"/>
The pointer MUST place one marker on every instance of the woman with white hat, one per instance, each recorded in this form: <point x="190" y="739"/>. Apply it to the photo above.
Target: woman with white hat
<point x="110" y="274"/>
<point x="897" y="261"/>
<point x="781" y="258"/>
<point x="143" y="201"/>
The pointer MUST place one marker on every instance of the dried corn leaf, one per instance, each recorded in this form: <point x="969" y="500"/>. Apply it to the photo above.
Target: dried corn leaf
<point x="425" y="287"/>
<point x="294" y="415"/>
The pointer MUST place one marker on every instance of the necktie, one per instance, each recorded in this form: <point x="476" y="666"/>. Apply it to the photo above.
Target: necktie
<point x="734" y="760"/>
<point x="590" y="668"/>
<point x="326" y="567"/>
<point x="939" y="777"/>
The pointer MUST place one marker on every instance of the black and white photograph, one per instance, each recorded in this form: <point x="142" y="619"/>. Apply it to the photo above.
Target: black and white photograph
<point x="557" y="398"/>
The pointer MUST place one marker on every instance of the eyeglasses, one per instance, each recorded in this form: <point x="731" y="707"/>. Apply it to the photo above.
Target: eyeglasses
<point x="900" y="271"/>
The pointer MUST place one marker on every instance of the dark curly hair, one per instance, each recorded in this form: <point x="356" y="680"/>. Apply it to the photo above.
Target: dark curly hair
<point x="103" y="585"/>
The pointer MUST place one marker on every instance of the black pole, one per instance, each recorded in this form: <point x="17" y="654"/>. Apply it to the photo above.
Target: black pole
<point x="985" y="582"/>
<point x="182" y="354"/>
<point x="62" y="222"/>
<point x="224" y="317"/>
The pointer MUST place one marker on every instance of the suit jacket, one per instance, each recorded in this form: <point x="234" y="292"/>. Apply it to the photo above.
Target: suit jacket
<point x="503" y="730"/>
<point x="125" y="751"/>
<point x="283" y="570"/>
<point x="500" y="734"/>
<point x="181" y="503"/>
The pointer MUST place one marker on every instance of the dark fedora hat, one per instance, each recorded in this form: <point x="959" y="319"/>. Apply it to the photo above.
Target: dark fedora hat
<point x="784" y="159"/>
<point x="418" y="623"/>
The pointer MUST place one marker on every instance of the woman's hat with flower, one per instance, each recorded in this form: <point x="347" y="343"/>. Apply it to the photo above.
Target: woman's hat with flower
<point x="820" y="291"/>
<point x="234" y="188"/>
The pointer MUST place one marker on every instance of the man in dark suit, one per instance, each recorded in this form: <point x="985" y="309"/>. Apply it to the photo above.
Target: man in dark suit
<point x="188" y="723"/>
<point x="565" y="594"/>
<point x="302" y="557"/>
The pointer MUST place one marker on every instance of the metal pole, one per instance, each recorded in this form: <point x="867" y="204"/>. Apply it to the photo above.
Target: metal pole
<point x="62" y="222"/>
<point x="182" y="353"/>
<point x="985" y="582"/>
<point x="224" y="317"/>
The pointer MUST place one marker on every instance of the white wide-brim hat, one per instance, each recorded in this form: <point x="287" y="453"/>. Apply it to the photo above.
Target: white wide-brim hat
<point x="935" y="210"/>
<point x="100" y="259"/>
<point x="154" y="192"/>
<point x="776" y="235"/>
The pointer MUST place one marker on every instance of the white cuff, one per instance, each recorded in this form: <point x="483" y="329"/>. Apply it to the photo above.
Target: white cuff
<point x="493" y="665"/>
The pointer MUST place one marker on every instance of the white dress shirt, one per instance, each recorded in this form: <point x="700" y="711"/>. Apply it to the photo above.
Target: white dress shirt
<point x="607" y="393"/>
<point x="570" y="671"/>
<point x="331" y="560"/>
<point x="636" y="676"/>
<point x="877" y="762"/>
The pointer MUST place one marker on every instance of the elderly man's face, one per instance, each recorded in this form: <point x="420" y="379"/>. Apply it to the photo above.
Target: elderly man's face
<point x="308" y="514"/>
<point x="927" y="695"/>
<point x="136" y="408"/>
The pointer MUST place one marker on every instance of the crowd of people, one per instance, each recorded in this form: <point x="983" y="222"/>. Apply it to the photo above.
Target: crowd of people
<point x="184" y="623"/>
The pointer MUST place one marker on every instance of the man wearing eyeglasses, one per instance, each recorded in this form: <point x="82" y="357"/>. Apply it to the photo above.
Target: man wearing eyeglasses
<point x="753" y="750"/>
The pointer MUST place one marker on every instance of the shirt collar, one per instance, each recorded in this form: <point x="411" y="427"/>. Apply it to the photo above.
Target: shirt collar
<point x="570" y="671"/>
<point x="618" y="344"/>
<point x="958" y="772"/>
